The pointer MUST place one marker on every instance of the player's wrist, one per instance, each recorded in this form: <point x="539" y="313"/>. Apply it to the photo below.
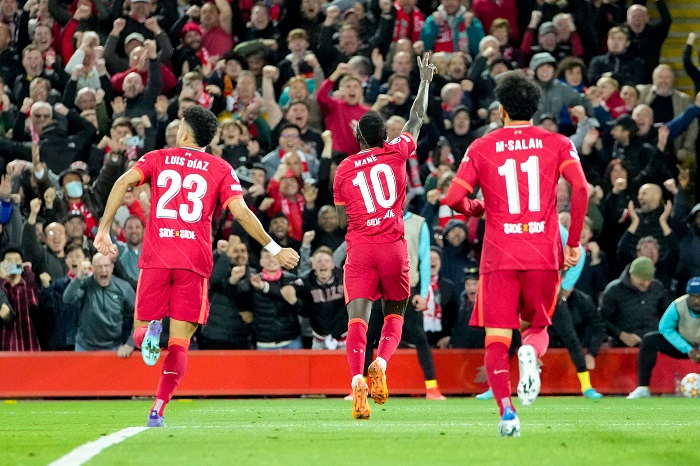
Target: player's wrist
<point x="273" y="248"/>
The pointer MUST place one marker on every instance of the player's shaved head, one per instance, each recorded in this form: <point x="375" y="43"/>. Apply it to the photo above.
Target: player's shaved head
<point x="519" y="95"/>
<point x="200" y="123"/>
<point x="371" y="130"/>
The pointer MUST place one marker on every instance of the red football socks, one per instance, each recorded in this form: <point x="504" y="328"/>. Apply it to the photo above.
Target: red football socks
<point x="498" y="369"/>
<point x="391" y="336"/>
<point x="174" y="368"/>
<point x="139" y="335"/>
<point x="538" y="338"/>
<point x="355" y="345"/>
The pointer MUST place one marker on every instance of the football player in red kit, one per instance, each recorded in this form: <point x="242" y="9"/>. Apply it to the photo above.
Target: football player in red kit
<point x="176" y="260"/>
<point x="517" y="168"/>
<point x="369" y="191"/>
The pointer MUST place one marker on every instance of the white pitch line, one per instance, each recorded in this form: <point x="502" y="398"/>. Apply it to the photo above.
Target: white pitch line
<point x="86" y="452"/>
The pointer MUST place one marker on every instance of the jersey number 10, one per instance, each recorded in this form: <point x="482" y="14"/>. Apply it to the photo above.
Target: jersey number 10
<point x="532" y="168"/>
<point x="384" y="201"/>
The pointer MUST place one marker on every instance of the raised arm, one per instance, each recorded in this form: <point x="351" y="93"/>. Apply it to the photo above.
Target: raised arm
<point x="420" y="105"/>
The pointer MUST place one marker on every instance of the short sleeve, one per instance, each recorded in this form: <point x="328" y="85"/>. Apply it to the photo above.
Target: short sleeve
<point x="145" y="167"/>
<point x="405" y="145"/>
<point x="466" y="173"/>
<point x="230" y="186"/>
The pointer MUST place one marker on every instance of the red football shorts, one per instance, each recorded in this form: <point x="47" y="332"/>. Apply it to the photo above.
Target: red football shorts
<point x="377" y="270"/>
<point x="176" y="293"/>
<point x="507" y="296"/>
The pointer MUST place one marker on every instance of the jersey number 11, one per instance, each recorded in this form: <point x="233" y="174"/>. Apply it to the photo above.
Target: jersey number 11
<point x="532" y="168"/>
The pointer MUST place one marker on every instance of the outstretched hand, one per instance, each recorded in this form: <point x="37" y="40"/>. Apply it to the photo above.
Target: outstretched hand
<point x="427" y="69"/>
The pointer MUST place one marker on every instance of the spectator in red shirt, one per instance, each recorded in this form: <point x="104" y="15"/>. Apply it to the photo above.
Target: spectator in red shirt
<point x="342" y="112"/>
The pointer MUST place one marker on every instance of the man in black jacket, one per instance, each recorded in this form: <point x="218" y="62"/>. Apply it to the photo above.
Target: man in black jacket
<point x="323" y="301"/>
<point x="625" y="68"/>
<point x="274" y="304"/>
<point x="633" y="304"/>
<point x="229" y="321"/>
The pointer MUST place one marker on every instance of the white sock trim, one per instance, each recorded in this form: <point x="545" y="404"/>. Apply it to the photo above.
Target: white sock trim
<point x="382" y="363"/>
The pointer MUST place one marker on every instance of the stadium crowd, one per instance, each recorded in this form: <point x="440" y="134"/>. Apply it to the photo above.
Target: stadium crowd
<point x="87" y="87"/>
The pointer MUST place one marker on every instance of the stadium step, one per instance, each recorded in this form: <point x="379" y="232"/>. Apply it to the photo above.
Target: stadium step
<point x="686" y="19"/>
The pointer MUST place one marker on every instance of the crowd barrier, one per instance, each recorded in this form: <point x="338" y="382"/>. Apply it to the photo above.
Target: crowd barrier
<point x="299" y="372"/>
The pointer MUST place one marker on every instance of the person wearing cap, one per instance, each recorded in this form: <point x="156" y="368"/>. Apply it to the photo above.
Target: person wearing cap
<point x="555" y="94"/>
<point x="190" y="55"/>
<point x="631" y="305"/>
<point x="546" y="40"/>
<point x="678" y="336"/>
<point x="74" y="224"/>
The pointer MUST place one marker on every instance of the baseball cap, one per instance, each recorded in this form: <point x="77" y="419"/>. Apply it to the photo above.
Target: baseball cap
<point x="546" y="28"/>
<point x="74" y="214"/>
<point x="627" y="123"/>
<point x="135" y="36"/>
<point x="642" y="267"/>
<point x="471" y="273"/>
<point x="693" y="286"/>
<point x="188" y="27"/>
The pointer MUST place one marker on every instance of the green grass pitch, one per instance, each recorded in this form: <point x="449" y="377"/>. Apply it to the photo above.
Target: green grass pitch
<point x="405" y="431"/>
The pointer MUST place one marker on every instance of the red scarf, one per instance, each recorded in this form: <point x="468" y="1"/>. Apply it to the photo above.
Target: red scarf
<point x="432" y="315"/>
<point x="293" y="211"/>
<point x="205" y="100"/>
<point x="445" y="213"/>
<point x="203" y="56"/>
<point x="271" y="277"/>
<point x="408" y="23"/>
<point x="414" y="171"/>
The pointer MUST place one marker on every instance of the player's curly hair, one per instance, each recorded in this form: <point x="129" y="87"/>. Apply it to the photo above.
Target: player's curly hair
<point x="519" y="95"/>
<point x="371" y="130"/>
<point x="203" y="124"/>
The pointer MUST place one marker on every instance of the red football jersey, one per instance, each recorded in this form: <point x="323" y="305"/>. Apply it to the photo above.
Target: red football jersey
<point x="186" y="185"/>
<point x="372" y="186"/>
<point x="517" y="168"/>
